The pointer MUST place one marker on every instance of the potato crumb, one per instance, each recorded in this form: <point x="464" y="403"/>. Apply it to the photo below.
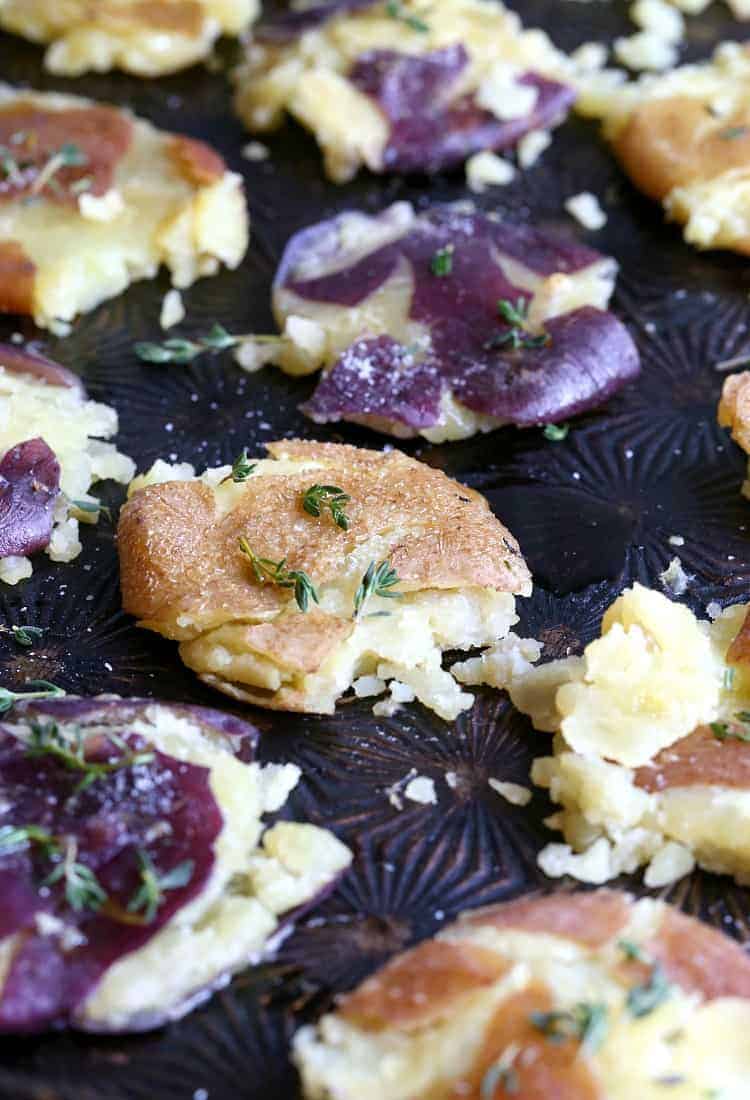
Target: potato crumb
<point x="514" y="793"/>
<point x="675" y="579"/>
<point x="672" y="862"/>
<point x="172" y="309"/>
<point x="502" y="95"/>
<point x="255" y="151"/>
<point x="421" y="789"/>
<point x="660" y="18"/>
<point x="485" y="170"/>
<point x="531" y="147"/>
<point x="587" y="210"/>
<point x="676" y="540"/>
<point x="646" y="50"/>
<point x="105" y="208"/>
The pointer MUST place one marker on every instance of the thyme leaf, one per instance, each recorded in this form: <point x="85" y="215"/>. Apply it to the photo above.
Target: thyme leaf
<point x="736" y="730"/>
<point x="318" y="497"/>
<point x="277" y="573"/>
<point x="517" y="335"/>
<point x="92" y="507"/>
<point x="149" y="897"/>
<point x="26" y="635"/>
<point x="43" y="690"/>
<point x="82" y="888"/>
<point x="378" y="580"/>
<point x="733" y="132"/>
<point x="587" y="1022"/>
<point x="242" y="468"/>
<point x="556" y="432"/>
<point x="180" y="350"/>
<point x="441" y="263"/>
<point x="394" y="9"/>
<point x="643" y="999"/>
<point x="47" y="739"/>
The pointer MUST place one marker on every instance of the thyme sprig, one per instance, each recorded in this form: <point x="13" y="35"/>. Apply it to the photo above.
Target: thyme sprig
<point x="736" y="730"/>
<point x="24" y="635"/>
<point x="556" y="432"/>
<point x="378" y="580"/>
<point x="318" y="497"/>
<point x="43" y="689"/>
<point x="180" y="350"/>
<point x="643" y="999"/>
<point x="92" y="508"/>
<point x="501" y="1073"/>
<point x="67" y="156"/>
<point x="515" y="316"/>
<point x="82" y="888"/>
<point x="586" y="1022"/>
<point x="265" y="569"/>
<point x="149" y="897"/>
<point x="242" y="468"/>
<point x="48" y="739"/>
<point x="395" y="10"/>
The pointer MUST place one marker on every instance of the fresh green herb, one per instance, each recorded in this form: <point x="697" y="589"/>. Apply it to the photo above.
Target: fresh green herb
<point x="501" y="1074"/>
<point x="26" y="635"/>
<point x="395" y="10"/>
<point x="42" y="690"/>
<point x="441" y="263"/>
<point x="178" y="350"/>
<point x="318" y="497"/>
<point x="14" y="838"/>
<point x="67" y="156"/>
<point x="631" y="951"/>
<point x="82" y="888"/>
<point x="737" y="730"/>
<point x="378" y="580"/>
<point x="92" y="508"/>
<point x="728" y="679"/>
<point x="149" y="897"/>
<point x="733" y="132"/>
<point x="242" y="467"/>
<point x="556" y="432"/>
<point x="276" y="571"/>
<point x="85" y="183"/>
<point x="586" y="1022"/>
<point x="517" y="336"/>
<point x="643" y="999"/>
<point x="47" y="739"/>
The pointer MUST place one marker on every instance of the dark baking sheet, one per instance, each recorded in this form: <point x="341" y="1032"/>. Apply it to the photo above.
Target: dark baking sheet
<point x="592" y="513"/>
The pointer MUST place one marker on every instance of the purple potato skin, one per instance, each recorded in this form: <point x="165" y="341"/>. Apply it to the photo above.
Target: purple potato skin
<point x="290" y="24"/>
<point x="29" y="361"/>
<point x="29" y="486"/>
<point x="588" y="356"/>
<point x="431" y="131"/>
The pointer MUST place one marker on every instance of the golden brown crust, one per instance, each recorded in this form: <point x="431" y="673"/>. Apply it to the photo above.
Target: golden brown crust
<point x="697" y="760"/>
<point x="102" y="134"/>
<point x="178" y="16"/>
<point x="421" y="986"/>
<point x="699" y="959"/>
<point x="590" y="919"/>
<point x="181" y="559"/>
<point x="17" y="279"/>
<point x="669" y="142"/>
<point x="739" y="651"/>
<point x="543" y="1070"/>
<point x="734" y="408"/>
<point x="197" y="162"/>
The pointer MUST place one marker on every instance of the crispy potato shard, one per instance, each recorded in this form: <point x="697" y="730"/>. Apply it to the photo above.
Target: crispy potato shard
<point x="423" y="566"/>
<point x="651" y="758"/>
<point x="576" y="995"/>
<point x="683" y="137"/>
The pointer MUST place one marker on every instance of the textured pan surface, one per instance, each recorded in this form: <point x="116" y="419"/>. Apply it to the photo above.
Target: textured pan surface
<point x="592" y="513"/>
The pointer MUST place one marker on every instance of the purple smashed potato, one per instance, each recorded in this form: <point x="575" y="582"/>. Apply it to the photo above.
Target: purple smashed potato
<point x="78" y="850"/>
<point x="29" y="486"/>
<point x="150" y="810"/>
<point x="473" y="352"/>
<point x="431" y="129"/>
